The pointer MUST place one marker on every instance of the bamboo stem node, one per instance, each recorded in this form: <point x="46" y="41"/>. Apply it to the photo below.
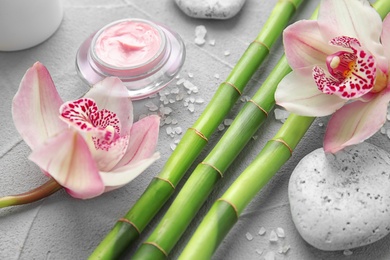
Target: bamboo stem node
<point x="166" y="180"/>
<point x="199" y="133"/>
<point x="215" y="168"/>
<point x="259" y="107"/>
<point x="231" y="204"/>
<point x="263" y="44"/>
<point x="157" y="246"/>
<point x="233" y="86"/>
<point x="284" y="143"/>
<point x="125" y="220"/>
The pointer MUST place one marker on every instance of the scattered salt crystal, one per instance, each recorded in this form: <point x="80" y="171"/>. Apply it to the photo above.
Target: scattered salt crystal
<point x="180" y="81"/>
<point x="191" y="107"/>
<point x="269" y="256"/>
<point x="383" y="130"/>
<point x="188" y="85"/>
<point x="259" y="251"/>
<point x="249" y="236"/>
<point x="199" y="41"/>
<point x="177" y="76"/>
<point x="273" y="237"/>
<point x="190" y="75"/>
<point x="177" y="141"/>
<point x="226" y="53"/>
<point x="212" y="42"/>
<point x="175" y="90"/>
<point x="200" y="34"/>
<point x="227" y="121"/>
<point x="174" y="122"/>
<point x="171" y="101"/>
<point x="169" y="130"/>
<point x="347" y="252"/>
<point x="388" y="133"/>
<point x="216" y="76"/>
<point x="255" y="137"/>
<point x="199" y="101"/>
<point x="221" y="127"/>
<point x="280" y="232"/>
<point x="245" y="98"/>
<point x="281" y="114"/>
<point x="178" y="130"/>
<point x="192" y="99"/>
<point x="320" y="124"/>
<point x="166" y="110"/>
<point x="151" y="106"/>
<point x="173" y="147"/>
<point x="195" y="89"/>
<point x="262" y="231"/>
<point x="185" y="103"/>
<point x="284" y="249"/>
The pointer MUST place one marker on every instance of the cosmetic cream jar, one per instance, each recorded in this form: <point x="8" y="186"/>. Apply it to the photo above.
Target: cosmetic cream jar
<point x="26" y="23"/>
<point x="145" y="55"/>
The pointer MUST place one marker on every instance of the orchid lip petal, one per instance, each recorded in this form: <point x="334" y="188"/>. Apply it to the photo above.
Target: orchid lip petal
<point x="297" y="92"/>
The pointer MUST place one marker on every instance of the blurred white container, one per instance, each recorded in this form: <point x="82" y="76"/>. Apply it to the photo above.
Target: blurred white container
<point x="26" y="23"/>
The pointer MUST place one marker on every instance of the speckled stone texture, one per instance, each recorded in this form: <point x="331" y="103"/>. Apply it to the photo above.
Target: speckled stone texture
<point x="342" y="201"/>
<point x="210" y="9"/>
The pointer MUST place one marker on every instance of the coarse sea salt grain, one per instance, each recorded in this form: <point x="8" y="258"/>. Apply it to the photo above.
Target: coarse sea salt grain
<point x="262" y="231"/>
<point x="259" y="251"/>
<point x="280" y="232"/>
<point x="272" y="236"/>
<point x="347" y="252"/>
<point x="249" y="236"/>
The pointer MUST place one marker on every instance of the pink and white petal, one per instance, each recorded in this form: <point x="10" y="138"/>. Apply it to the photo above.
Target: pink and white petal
<point x="386" y="35"/>
<point x="143" y="140"/>
<point x="35" y="107"/>
<point x="112" y="95"/>
<point x="298" y="93"/>
<point x="355" y="19"/>
<point x="108" y="155"/>
<point x="305" y="46"/>
<point x="356" y="122"/>
<point x="123" y="175"/>
<point x="67" y="159"/>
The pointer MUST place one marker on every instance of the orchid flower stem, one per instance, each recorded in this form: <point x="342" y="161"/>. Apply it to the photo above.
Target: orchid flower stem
<point x="45" y="190"/>
<point x="196" y="137"/>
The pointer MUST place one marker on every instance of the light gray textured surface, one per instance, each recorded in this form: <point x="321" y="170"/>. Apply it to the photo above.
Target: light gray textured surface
<point x="61" y="227"/>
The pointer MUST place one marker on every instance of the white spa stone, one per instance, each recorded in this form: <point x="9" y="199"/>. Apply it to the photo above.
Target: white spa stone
<point x="210" y="9"/>
<point x="342" y="201"/>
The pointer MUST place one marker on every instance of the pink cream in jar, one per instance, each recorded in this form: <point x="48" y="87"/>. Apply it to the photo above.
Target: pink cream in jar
<point x="146" y="56"/>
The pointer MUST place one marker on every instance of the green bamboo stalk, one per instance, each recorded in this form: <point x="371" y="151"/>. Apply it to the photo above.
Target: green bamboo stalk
<point x="48" y="188"/>
<point x="205" y="176"/>
<point x="127" y="229"/>
<point x="225" y="211"/>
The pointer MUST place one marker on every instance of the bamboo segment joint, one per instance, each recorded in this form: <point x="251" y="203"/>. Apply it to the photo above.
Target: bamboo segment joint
<point x="232" y="85"/>
<point x="167" y="181"/>
<point x="215" y="168"/>
<point x="231" y="204"/>
<point x="263" y="44"/>
<point x="259" y="107"/>
<point x="125" y="220"/>
<point x="199" y="133"/>
<point x="291" y="2"/>
<point x="157" y="246"/>
<point x="284" y="143"/>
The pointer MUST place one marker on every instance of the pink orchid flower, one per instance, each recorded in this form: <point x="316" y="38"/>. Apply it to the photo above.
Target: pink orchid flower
<point x="340" y="65"/>
<point x="89" y="146"/>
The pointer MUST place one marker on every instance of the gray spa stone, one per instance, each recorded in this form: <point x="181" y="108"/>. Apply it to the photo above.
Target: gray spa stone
<point x="210" y="9"/>
<point x="342" y="201"/>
